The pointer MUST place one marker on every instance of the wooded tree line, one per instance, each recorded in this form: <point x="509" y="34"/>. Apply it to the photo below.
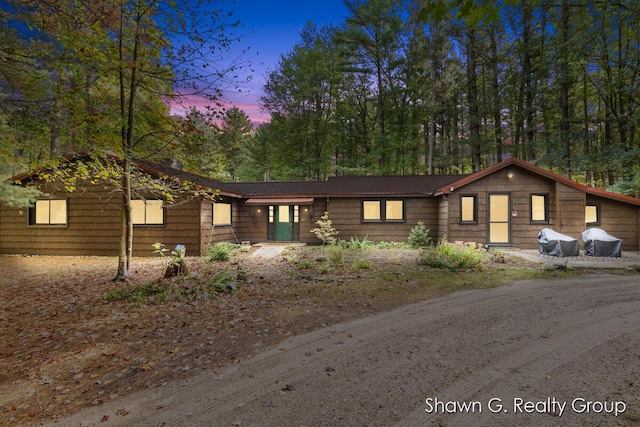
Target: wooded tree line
<point x="398" y="87"/>
<point x="395" y="90"/>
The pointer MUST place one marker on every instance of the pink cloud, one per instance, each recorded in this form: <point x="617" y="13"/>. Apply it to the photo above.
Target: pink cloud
<point x="249" y="105"/>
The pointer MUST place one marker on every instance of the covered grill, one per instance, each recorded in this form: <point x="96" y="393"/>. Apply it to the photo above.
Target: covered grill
<point x="557" y="244"/>
<point x="598" y="242"/>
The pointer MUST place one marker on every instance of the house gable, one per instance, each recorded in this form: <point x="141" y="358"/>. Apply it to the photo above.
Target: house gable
<point x="565" y="202"/>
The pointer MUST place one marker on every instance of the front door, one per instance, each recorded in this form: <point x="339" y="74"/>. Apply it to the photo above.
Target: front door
<point x="284" y="223"/>
<point x="499" y="219"/>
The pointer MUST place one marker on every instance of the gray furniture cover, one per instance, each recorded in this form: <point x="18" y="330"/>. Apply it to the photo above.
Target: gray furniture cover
<point x="557" y="244"/>
<point x="598" y="242"/>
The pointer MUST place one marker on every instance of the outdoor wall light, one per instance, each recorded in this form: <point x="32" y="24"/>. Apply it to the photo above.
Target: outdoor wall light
<point x="510" y="175"/>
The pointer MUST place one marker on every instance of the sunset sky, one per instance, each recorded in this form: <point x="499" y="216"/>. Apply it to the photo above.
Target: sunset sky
<point x="271" y="28"/>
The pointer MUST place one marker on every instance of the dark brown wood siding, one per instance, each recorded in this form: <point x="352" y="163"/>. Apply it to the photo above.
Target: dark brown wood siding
<point x="346" y="214"/>
<point x="221" y="233"/>
<point x="308" y="219"/>
<point x="250" y="223"/>
<point x="520" y="184"/>
<point x="619" y="220"/>
<point x="443" y="218"/>
<point x="93" y="227"/>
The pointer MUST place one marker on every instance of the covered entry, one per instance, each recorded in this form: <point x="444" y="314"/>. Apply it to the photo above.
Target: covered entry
<point x="283" y="223"/>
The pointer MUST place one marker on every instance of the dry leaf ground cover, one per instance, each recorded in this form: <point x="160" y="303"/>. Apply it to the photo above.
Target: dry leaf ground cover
<point x="64" y="345"/>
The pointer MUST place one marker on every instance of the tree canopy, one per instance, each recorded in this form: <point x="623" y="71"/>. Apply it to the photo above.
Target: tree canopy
<point x="404" y="87"/>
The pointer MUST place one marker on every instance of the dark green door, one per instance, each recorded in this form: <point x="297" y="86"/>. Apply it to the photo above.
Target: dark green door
<point x="284" y="223"/>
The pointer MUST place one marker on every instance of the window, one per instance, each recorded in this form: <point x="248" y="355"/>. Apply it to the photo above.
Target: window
<point x="382" y="210"/>
<point x="371" y="210"/>
<point x="147" y="212"/>
<point x="592" y="215"/>
<point x="394" y="210"/>
<point x="283" y="213"/>
<point x="222" y="214"/>
<point x="48" y="212"/>
<point x="468" y="209"/>
<point x="539" y="208"/>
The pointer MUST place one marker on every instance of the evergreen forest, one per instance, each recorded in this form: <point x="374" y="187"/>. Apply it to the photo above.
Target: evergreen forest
<point x="399" y="87"/>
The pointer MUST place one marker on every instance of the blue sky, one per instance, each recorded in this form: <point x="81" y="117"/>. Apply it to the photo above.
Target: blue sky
<point x="271" y="28"/>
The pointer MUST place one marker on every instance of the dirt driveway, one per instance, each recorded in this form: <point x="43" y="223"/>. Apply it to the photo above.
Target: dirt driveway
<point x="544" y="353"/>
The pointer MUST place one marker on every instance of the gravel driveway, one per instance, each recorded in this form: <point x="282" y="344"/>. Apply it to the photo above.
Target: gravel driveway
<point x="535" y="353"/>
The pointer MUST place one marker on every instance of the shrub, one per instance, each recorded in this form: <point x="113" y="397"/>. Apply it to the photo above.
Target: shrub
<point x="336" y="255"/>
<point x="325" y="231"/>
<point x="363" y="244"/>
<point x="221" y="251"/>
<point x="454" y="256"/>
<point x="419" y="236"/>
<point x="209" y="289"/>
<point x="361" y="264"/>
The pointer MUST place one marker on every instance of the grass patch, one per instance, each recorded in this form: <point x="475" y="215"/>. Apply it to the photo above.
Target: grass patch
<point x="190" y="288"/>
<point x="384" y="279"/>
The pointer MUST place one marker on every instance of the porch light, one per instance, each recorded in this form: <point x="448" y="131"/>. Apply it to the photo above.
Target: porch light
<point x="510" y="175"/>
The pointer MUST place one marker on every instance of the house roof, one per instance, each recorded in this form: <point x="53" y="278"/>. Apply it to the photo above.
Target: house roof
<point x="385" y="186"/>
<point x="361" y="186"/>
<point x="158" y="169"/>
<point x="449" y="188"/>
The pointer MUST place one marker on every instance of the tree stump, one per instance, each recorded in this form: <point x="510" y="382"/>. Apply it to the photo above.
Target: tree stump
<point x="176" y="269"/>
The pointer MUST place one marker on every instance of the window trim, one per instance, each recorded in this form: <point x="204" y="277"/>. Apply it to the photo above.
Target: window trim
<point x="383" y="211"/>
<point x="598" y="214"/>
<point x="145" y="223"/>
<point x="213" y="215"/>
<point x="546" y="208"/>
<point x="32" y="214"/>
<point x="474" y="197"/>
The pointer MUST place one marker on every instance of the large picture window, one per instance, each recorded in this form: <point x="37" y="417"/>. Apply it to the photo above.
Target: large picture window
<point x="222" y="214"/>
<point x="540" y="208"/>
<point x="147" y="212"/>
<point x="469" y="209"/>
<point x="48" y="212"/>
<point x="383" y="210"/>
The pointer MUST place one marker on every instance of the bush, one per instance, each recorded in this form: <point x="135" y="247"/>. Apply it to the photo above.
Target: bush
<point x="363" y="244"/>
<point x="221" y="251"/>
<point x="454" y="257"/>
<point x="419" y="236"/>
<point x="361" y="264"/>
<point x="325" y="231"/>
<point x="336" y="255"/>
